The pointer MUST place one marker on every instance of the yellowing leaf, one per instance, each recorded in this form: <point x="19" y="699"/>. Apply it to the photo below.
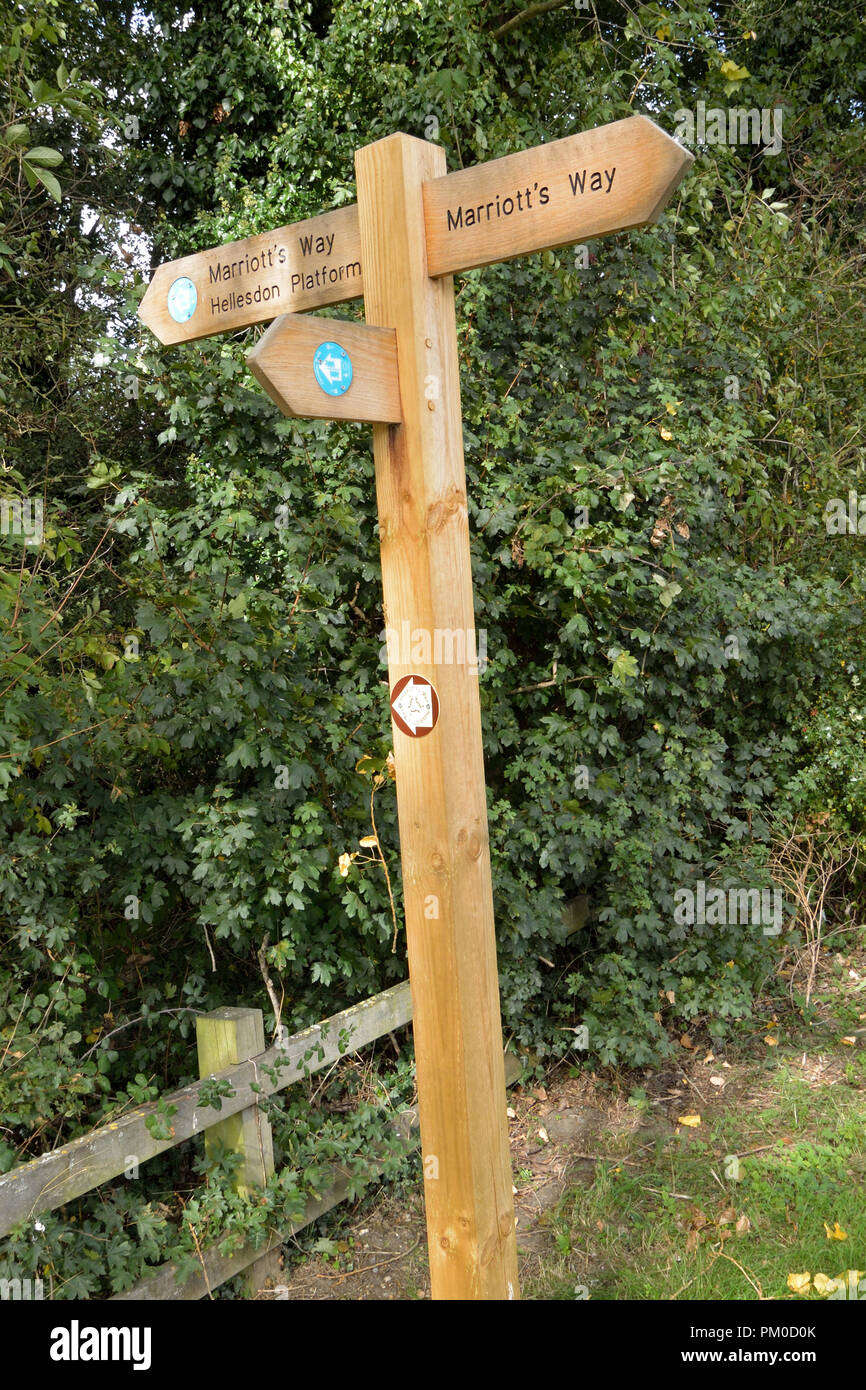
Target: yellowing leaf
<point x="836" y="1233"/>
<point x="345" y="864"/>
<point x="368" y="842"/>
<point x="671" y="409"/>
<point x="771" y="1041"/>
<point x="692" y="1121"/>
<point x="824" y="1284"/>
<point x="743" y="1225"/>
<point x="799" y="1283"/>
<point x="664" y="32"/>
<point x="665" y="434"/>
<point x="849" y="1042"/>
<point x="732" y="73"/>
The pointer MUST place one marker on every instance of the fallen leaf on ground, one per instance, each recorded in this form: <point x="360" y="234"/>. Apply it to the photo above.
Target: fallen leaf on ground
<point x="824" y="1284"/>
<point x="691" y="1120"/>
<point x="836" y="1233"/>
<point x="799" y="1283"/>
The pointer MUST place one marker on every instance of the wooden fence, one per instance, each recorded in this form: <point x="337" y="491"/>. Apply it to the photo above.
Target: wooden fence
<point x="230" y="1048"/>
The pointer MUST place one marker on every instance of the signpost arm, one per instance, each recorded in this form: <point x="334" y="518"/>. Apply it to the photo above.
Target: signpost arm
<point x="441" y="800"/>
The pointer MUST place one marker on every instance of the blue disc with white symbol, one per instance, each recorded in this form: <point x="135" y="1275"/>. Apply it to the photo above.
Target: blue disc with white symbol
<point x="333" y="368"/>
<point x="182" y="299"/>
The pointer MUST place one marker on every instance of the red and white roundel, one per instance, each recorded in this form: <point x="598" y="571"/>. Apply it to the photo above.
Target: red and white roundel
<point x="414" y="706"/>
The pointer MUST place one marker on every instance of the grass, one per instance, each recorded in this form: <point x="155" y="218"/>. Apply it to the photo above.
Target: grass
<point x="730" y="1209"/>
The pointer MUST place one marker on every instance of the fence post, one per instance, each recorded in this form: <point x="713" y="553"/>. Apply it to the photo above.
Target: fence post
<point x="226" y="1037"/>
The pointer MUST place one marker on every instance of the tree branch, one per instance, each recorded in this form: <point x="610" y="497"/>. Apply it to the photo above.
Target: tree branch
<point x="525" y="15"/>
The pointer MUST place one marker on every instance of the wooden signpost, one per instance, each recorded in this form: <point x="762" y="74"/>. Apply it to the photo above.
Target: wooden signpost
<point x="413" y="226"/>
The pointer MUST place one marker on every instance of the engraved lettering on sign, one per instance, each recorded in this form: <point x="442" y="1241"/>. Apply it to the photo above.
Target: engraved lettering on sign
<point x="581" y="181"/>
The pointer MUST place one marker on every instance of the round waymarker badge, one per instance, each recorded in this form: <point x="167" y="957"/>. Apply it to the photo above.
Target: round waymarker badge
<point x="332" y="366"/>
<point x="182" y="299"/>
<point x="415" y="706"/>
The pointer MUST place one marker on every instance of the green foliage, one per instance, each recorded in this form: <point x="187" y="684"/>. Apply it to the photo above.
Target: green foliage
<point x="193" y="708"/>
<point x="92" y="1249"/>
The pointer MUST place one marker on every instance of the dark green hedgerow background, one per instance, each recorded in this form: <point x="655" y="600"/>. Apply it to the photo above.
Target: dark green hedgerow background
<point x="704" y="630"/>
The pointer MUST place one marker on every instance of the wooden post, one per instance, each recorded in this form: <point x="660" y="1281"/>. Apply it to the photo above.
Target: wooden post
<point x="415" y="225"/>
<point x="226" y="1037"/>
<point x="441" y="797"/>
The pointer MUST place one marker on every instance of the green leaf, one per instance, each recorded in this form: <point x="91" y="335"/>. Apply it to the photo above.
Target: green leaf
<point x="49" y="181"/>
<point x="42" y="154"/>
<point x="624" y="666"/>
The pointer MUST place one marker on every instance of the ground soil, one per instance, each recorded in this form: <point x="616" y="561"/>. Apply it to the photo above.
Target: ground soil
<point x="558" y="1131"/>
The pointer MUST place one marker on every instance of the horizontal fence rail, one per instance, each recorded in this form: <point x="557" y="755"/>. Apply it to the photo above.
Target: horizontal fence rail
<point x="78" y="1167"/>
<point x="162" y="1284"/>
<point x="84" y="1164"/>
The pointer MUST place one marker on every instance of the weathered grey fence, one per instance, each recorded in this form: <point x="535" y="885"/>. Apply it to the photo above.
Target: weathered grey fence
<point x="231" y="1048"/>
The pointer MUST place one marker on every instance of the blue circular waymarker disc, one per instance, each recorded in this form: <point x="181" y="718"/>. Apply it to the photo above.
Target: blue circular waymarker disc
<point x="333" y="368"/>
<point x="182" y="299"/>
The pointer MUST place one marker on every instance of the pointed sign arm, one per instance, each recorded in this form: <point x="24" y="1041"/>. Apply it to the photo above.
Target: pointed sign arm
<point x="304" y="265"/>
<point x="282" y="362"/>
<point x="605" y="180"/>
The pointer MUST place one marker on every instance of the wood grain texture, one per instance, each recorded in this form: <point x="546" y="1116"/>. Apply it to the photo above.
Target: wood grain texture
<point x="304" y="265"/>
<point x="224" y="1038"/>
<point x="441" y="799"/>
<point x="282" y="363"/>
<point x="161" y="1284"/>
<point x="75" y="1168"/>
<point x="604" y="180"/>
